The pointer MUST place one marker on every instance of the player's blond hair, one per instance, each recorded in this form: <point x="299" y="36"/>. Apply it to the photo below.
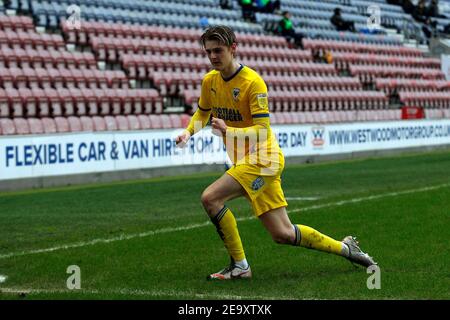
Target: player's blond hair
<point x="222" y="34"/>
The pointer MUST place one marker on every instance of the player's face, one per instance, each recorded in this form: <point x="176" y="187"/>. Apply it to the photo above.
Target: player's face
<point x="220" y="56"/>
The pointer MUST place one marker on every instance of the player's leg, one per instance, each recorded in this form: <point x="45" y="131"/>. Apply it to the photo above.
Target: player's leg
<point x="213" y="200"/>
<point x="281" y="229"/>
<point x="216" y="194"/>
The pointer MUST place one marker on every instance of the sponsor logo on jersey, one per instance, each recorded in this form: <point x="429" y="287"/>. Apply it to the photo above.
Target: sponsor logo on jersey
<point x="227" y="114"/>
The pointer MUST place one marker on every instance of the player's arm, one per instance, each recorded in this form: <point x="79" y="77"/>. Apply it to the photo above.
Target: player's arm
<point x="200" y="117"/>
<point x="259" y="123"/>
<point x="198" y="122"/>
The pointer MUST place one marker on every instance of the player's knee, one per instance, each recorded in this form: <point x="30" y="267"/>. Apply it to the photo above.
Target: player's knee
<point x="206" y="198"/>
<point x="209" y="202"/>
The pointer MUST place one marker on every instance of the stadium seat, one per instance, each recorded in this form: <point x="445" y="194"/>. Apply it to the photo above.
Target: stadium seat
<point x="185" y="119"/>
<point x="49" y="125"/>
<point x="15" y="102"/>
<point x="62" y="124"/>
<point x="111" y="124"/>
<point x="155" y="121"/>
<point x="21" y="125"/>
<point x="175" y="121"/>
<point x="133" y="122"/>
<point x="74" y="124"/>
<point x="7" y="127"/>
<point x="4" y="104"/>
<point x="122" y="123"/>
<point x="35" y="126"/>
<point x="87" y="123"/>
<point x="166" y="121"/>
<point x="144" y="122"/>
<point x="99" y="123"/>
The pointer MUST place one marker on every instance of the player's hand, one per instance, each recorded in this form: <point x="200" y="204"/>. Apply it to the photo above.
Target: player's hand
<point x="182" y="139"/>
<point x="219" y="128"/>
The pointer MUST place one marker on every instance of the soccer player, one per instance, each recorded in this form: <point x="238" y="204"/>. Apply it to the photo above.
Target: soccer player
<point x="235" y="98"/>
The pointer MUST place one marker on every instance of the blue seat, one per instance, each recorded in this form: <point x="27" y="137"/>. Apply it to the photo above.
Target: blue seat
<point x="14" y="5"/>
<point x="41" y="17"/>
<point x="24" y="5"/>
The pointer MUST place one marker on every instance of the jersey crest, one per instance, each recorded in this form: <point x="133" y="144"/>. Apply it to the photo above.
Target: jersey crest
<point x="236" y="92"/>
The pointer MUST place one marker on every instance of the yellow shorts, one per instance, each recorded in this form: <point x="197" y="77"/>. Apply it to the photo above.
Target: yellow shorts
<point x="263" y="191"/>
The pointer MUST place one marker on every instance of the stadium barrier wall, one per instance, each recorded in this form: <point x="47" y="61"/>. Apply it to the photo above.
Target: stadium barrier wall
<point x="31" y="161"/>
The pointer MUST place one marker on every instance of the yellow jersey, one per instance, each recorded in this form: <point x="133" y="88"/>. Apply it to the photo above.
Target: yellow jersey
<point x="236" y="100"/>
<point x="242" y="102"/>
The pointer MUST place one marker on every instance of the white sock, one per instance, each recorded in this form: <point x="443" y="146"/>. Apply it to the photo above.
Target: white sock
<point x="345" y="251"/>
<point x="243" y="264"/>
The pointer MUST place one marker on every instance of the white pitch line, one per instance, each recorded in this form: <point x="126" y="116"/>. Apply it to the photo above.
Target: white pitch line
<point x="108" y="240"/>
<point x="356" y="200"/>
<point x="139" y="292"/>
<point x="207" y="223"/>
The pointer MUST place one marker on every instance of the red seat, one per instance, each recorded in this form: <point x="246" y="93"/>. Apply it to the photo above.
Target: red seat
<point x="87" y="123"/>
<point x="4" y="104"/>
<point x="35" y="126"/>
<point x="293" y="117"/>
<point x="79" y="101"/>
<point x="21" y="125"/>
<point x="90" y="78"/>
<point x="49" y="125"/>
<point x="7" y="23"/>
<point x="166" y="123"/>
<point x="15" y="102"/>
<point x="90" y="98"/>
<point x="24" y="23"/>
<point x="128" y="100"/>
<point x="103" y="101"/>
<point x="19" y="77"/>
<point x="122" y="123"/>
<point x="56" y="78"/>
<point x="55" y="102"/>
<point x="281" y="119"/>
<point x="42" y="101"/>
<point x="44" y="78"/>
<point x="144" y="122"/>
<point x="101" y="77"/>
<point x="116" y="98"/>
<point x="155" y="121"/>
<point x="66" y="101"/>
<point x="133" y="122"/>
<point x="175" y="120"/>
<point x="99" y="123"/>
<point x="62" y="124"/>
<point x="111" y="123"/>
<point x="185" y="119"/>
<point x="28" y="102"/>
<point x="7" y="127"/>
<point x="74" y="124"/>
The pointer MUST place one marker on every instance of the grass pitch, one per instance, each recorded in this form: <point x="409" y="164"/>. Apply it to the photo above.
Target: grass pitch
<point x="151" y="239"/>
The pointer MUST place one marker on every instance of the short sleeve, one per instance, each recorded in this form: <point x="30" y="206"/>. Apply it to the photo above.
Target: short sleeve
<point x="259" y="100"/>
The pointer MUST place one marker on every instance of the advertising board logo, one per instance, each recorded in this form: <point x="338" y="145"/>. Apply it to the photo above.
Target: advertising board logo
<point x="318" y="134"/>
